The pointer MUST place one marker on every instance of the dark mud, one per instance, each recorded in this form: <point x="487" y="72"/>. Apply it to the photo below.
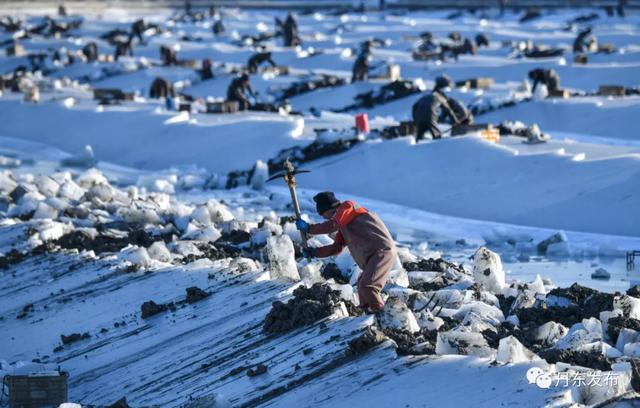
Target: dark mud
<point x="72" y="338"/>
<point x="616" y="324"/>
<point x="257" y="370"/>
<point x="307" y="306"/>
<point x="151" y="308"/>
<point x="370" y="337"/>
<point x="81" y="240"/>
<point x="195" y="294"/>
<point x="331" y="271"/>
<point x="595" y="361"/>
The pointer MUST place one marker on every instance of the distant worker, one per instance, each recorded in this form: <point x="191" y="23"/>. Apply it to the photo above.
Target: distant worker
<point x="90" y="51"/>
<point x="137" y="29"/>
<point x="205" y="71"/>
<point x="367" y="238"/>
<point x="548" y="77"/>
<point x="161" y="88"/>
<point x="168" y="56"/>
<point x="426" y="110"/>
<point x="123" y="49"/>
<point x="238" y="89"/>
<point x="360" y="70"/>
<point x="585" y="42"/>
<point x="290" y="31"/>
<point x="218" y="27"/>
<point x="482" y="41"/>
<point x="258" y="59"/>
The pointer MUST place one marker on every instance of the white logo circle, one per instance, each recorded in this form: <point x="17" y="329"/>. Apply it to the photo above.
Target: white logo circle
<point x="543" y="381"/>
<point x="533" y="373"/>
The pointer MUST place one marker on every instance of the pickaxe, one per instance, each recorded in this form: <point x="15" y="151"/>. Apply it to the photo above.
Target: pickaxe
<point x="289" y="175"/>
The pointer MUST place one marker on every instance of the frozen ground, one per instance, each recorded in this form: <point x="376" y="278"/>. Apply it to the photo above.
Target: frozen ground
<point x="440" y="198"/>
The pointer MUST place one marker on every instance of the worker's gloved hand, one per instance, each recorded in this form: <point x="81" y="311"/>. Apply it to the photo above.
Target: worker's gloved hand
<point x="309" y="252"/>
<point x="302" y="225"/>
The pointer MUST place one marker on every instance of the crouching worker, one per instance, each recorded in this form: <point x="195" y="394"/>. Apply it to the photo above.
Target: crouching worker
<point x="367" y="238"/>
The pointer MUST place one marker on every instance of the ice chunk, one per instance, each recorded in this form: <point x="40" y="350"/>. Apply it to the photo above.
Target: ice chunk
<point x="588" y="331"/>
<point x="44" y="211"/>
<point x="259" y="235"/>
<point x="219" y="212"/>
<point x="91" y="177"/>
<point x="47" y="186"/>
<point x="136" y="256"/>
<point x="7" y="182"/>
<point x="310" y="273"/>
<point x="625" y="337"/>
<point x="550" y="332"/>
<point x="556" y="238"/>
<point x="396" y="315"/>
<point x="281" y="256"/>
<point x="458" y="342"/>
<point x="159" y="251"/>
<point x="598" y="387"/>
<point x="71" y="190"/>
<point x="202" y="215"/>
<point x="206" y="234"/>
<point x="487" y="270"/>
<point x="427" y="320"/>
<point x="510" y="350"/>
<point x="260" y="175"/>
<point x="85" y="158"/>
<point x="398" y="275"/>
<point x="489" y="313"/>
<point x="140" y="216"/>
<point x="629" y="305"/>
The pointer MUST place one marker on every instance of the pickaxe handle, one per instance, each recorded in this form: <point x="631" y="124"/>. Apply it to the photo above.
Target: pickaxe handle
<point x="296" y="208"/>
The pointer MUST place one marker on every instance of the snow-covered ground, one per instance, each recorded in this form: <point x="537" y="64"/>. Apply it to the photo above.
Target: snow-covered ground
<point x="164" y="172"/>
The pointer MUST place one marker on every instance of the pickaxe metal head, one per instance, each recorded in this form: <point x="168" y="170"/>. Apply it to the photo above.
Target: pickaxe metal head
<point x="288" y="173"/>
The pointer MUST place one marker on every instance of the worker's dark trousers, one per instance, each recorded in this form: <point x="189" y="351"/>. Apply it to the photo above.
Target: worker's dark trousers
<point x="422" y="128"/>
<point x="373" y="278"/>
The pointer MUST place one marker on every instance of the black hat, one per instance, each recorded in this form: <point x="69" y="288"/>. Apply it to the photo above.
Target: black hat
<point x="443" y="81"/>
<point x="325" y="201"/>
<point x="244" y="77"/>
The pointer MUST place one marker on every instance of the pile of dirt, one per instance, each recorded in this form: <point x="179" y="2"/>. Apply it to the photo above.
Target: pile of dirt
<point x="307" y="306"/>
<point x="420" y="343"/>
<point x="212" y="251"/>
<point x="72" y="338"/>
<point x="331" y="271"/>
<point x="302" y="87"/>
<point x="235" y="237"/>
<point x="81" y="240"/>
<point x="593" y="360"/>
<point x="387" y="93"/>
<point x="313" y="151"/>
<point x="615" y="324"/>
<point x="432" y="265"/>
<point x="257" y="370"/>
<point x="538" y="316"/>
<point x="369" y="338"/>
<point x="590" y="301"/>
<point x="195" y="294"/>
<point x="11" y="258"/>
<point x="151" y="308"/>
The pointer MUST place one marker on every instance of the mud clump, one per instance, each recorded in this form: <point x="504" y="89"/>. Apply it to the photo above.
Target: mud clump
<point x="616" y="324"/>
<point x="432" y="265"/>
<point x="331" y="271"/>
<point x="121" y="403"/>
<point x="195" y="294"/>
<point x="99" y="244"/>
<point x="411" y="343"/>
<point x="369" y="338"/>
<point x="567" y="316"/>
<point x="72" y="338"/>
<point x="11" y="258"/>
<point x="590" y="301"/>
<point x="213" y="251"/>
<point x="307" y="306"/>
<point x="151" y="308"/>
<point x="257" y="370"/>
<point x="634" y="291"/>
<point x="235" y="237"/>
<point x="594" y="361"/>
<point x="25" y="311"/>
